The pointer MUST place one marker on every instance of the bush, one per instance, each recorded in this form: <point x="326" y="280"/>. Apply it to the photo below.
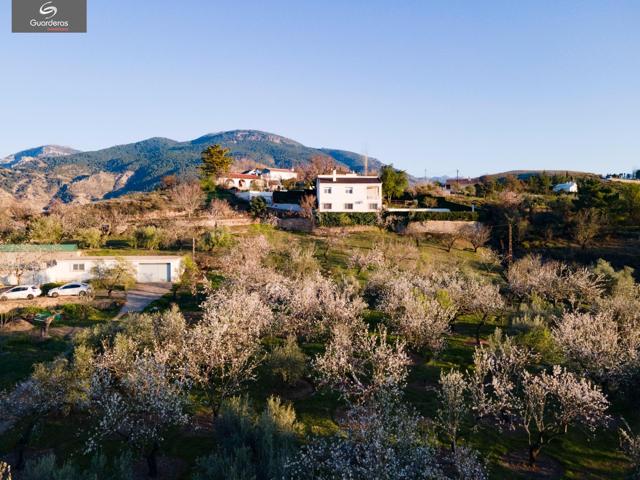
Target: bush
<point x="77" y="311"/>
<point x="332" y="219"/>
<point x="250" y="447"/>
<point x="218" y="237"/>
<point x="288" y="362"/>
<point x="258" y="207"/>
<point x="147" y="237"/>
<point x="90" y="238"/>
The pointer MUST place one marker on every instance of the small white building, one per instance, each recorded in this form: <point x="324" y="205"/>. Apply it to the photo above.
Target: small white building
<point x="348" y="193"/>
<point x="51" y="265"/>
<point x="569" y="187"/>
<point x="279" y="174"/>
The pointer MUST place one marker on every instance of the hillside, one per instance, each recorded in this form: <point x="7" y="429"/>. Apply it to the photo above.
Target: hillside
<point x="110" y="172"/>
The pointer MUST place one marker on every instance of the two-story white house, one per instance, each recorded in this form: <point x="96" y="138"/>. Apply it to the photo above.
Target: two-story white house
<point x="348" y="193"/>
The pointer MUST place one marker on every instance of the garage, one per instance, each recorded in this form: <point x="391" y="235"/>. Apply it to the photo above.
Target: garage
<point x="154" y="272"/>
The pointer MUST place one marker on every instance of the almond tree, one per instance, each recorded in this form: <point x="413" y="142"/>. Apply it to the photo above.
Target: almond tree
<point x="481" y="298"/>
<point x="373" y="258"/>
<point x="413" y="311"/>
<point x="383" y="440"/>
<point x="453" y="405"/>
<point x="223" y="350"/>
<point x="360" y="366"/>
<point x="135" y="399"/>
<point x="544" y="405"/>
<point x="552" y="402"/>
<point x="603" y="348"/>
<point x="477" y="235"/>
<point x="188" y="197"/>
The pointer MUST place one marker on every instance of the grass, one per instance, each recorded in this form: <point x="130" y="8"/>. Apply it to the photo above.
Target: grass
<point x="579" y="455"/>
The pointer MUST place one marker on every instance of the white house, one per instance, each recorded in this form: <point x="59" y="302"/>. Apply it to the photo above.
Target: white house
<point x="569" y="187"/>
<point x="48" y="265"/>
<point x="348" y="193"/>
<point x="279" y="174"/>
<point x="241" y="181"/>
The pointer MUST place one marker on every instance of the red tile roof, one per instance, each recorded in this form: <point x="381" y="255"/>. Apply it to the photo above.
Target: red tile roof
<point x="242" y="175"/>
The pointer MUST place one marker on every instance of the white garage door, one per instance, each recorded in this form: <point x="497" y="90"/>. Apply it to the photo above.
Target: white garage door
<point x="154" y="272"/>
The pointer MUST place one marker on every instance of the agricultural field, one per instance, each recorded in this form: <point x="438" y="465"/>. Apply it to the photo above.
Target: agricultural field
<point x="297" y="367"/>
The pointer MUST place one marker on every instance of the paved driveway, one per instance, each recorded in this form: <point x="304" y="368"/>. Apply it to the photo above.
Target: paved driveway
<point x="142" y="295"/>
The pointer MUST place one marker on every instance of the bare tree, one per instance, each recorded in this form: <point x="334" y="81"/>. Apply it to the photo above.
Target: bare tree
<point x="477" y="235"/>
<point x="188" y="197"/>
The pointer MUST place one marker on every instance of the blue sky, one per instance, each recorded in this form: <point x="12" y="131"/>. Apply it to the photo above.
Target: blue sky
<point x="479" y="86"/>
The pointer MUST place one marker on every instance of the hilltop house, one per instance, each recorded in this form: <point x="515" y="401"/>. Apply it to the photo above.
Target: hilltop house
<point x="65" y="263"/>
<point x="569" y="187"/>
<point x="348" y="193"/>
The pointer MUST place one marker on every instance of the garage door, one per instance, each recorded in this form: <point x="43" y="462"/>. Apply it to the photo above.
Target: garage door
<point x="154" y="272"/>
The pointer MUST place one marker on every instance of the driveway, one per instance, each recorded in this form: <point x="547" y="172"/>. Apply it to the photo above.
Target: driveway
<point x="142" y="295"/>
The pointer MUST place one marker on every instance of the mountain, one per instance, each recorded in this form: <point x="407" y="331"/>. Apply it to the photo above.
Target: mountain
<point x="74" y="176"/>
<point x="37" y="153"/>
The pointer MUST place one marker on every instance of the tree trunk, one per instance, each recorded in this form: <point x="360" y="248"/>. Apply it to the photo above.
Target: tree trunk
<point x="109" y="291"/>
<point x="21" y="446"/>
<point x="534" y="451"/>
<point x="152" y="461"/>
<point x="478" y="327"/>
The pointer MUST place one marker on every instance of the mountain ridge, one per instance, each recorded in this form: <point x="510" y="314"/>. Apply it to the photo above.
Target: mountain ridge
<point x="140" y="166"/>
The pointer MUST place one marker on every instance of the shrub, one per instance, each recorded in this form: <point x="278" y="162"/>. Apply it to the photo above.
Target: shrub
<point x="258" y="207"/>
<point x="288" y="362"/>
<point x="331" y="219"/>
<point x="90" y="237"/>
<point x="147" y="237"/>
<point x="218" y="237"/>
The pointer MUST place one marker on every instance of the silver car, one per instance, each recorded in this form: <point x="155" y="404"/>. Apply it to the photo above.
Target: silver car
<point x="73" y="289"/>
<point x="21" y="292"/>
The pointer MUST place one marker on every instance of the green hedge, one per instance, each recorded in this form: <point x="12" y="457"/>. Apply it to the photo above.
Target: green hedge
<point x="329" y="219"/>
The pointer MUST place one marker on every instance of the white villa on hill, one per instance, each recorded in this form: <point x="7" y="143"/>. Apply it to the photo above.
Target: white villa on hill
<point x="348" y="193"/>
<point x="569" y="187"/>
<point x="65" y="263"/>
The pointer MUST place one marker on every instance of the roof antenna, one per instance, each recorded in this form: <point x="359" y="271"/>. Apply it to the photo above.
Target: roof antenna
<point x="366" y="163"/>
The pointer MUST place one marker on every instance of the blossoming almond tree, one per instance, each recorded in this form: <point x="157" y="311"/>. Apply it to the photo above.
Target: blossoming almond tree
<point x="136" y="405"/>
<point x="603" y="348"/>
<point x="544" y="405"/>
<point x="362" y="366"/>
<point x="223" y="350"/>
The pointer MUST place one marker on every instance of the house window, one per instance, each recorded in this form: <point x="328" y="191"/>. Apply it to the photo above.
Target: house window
<point x="78" y="267"/>
<point x="348" y="206"/>
<point x="326" y="206"/>
<point x="348" y="190"/>
<point x="326" y="190"/>
<point x="373" y="206"/>
<point x="372" y="193"/>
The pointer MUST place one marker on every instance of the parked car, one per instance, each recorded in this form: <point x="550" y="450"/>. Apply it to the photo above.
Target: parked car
<point x="71" y="290"/>
<point x="21" y="292"/>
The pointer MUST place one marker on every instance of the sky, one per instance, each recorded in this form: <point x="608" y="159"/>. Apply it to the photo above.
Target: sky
<point x="473" y="86"/>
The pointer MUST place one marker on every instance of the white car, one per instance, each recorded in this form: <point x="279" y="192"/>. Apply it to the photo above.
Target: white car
<point x="73" y="289"/>
<point x="21" y="292"/>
